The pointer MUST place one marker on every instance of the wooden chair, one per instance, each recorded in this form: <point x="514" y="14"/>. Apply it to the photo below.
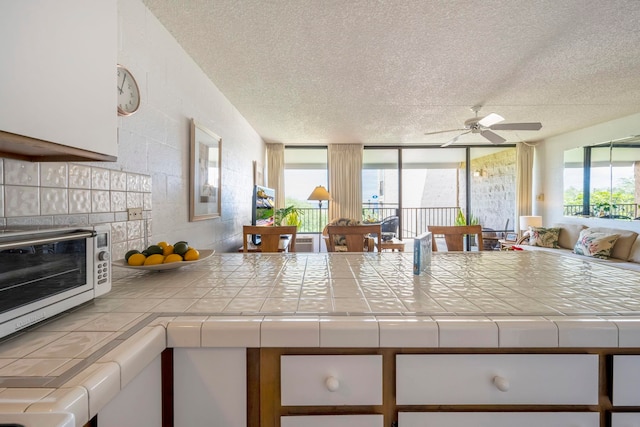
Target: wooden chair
<point x="453" y="236"/>
<point x="269" y="237"/>
<point x="355" y="236"/>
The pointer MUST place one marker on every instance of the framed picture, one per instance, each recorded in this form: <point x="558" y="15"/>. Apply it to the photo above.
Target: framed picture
<point x="205" y="173"/>
<point x="511" y="237"/>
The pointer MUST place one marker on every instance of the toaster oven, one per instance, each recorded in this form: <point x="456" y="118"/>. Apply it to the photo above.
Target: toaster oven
<point x="44" y="272"/>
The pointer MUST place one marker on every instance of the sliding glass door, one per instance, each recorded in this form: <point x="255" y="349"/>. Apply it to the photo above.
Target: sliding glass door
<point x="439" y="186"/>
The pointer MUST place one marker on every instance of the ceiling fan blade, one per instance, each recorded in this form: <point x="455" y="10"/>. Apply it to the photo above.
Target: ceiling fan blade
<point x="490" y="120"/>
<point x="454" y="139"/>
<point x="492" y="136"/>
<point x="517" y="126"/>
<point x="444" y="131"/>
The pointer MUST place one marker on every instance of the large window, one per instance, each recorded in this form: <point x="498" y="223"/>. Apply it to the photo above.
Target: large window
<point x="433" y="190"/>
<point x="380" y="184"/>
<point x="304" y="169"/>
<point x="493" y="187"/>
<point x="439" y="186"/>
<point x="602" y="180"/>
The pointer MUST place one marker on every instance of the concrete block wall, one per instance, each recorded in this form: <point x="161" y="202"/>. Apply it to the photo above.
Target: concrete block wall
<point x="493" y="192"/>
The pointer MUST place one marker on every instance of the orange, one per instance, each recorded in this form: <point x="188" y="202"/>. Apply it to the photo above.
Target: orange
<point x="191" y="255"/>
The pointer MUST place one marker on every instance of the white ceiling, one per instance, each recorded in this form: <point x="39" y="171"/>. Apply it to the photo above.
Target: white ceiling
<point x="384" y="72"/>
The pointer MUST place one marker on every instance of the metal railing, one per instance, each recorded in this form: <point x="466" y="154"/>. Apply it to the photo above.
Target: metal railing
<point x="413" y="221"/>
<point x="619" y="211"/>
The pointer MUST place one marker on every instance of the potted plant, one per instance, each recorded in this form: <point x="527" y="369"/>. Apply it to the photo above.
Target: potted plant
<point x="288" y="216"/>
<point x="462" y="220"/>
<point x="604" y="209"/>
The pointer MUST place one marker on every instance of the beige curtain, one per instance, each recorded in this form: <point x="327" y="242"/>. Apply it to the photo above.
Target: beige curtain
<point x="275" y="171"/>
<point x="345" y="181"/>
<point x="524" y="181"/>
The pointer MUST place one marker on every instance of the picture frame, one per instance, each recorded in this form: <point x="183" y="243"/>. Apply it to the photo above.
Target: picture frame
<point x="205" y="173"/>
<point x="511" y="237"/>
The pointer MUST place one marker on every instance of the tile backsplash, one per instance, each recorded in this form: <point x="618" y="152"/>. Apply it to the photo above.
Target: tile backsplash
<point x="61" y="193"/>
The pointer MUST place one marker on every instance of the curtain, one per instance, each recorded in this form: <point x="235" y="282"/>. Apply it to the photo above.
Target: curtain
<point x="275" y="171"/>
<point x="345" y="181"/>
<point x="524" y="181"/>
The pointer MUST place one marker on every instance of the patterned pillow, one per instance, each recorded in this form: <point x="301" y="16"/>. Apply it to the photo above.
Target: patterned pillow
<point x="339" y="241"/>
<point x="595" y="244"/>
<point x="545" y="237"/>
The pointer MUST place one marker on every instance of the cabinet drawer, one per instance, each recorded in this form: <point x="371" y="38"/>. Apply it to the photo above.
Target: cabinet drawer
<point x="562" y="379"/>
<point x="332" y="421"/>
<point x="331" y="380"/>
<point x="626" y="380"/>
<point x="625" y="419"/>
<point x="499" y="419"/>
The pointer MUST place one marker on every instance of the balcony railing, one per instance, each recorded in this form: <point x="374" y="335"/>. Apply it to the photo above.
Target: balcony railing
<point x="413" y="221"/>
<point x="619" y="211"/>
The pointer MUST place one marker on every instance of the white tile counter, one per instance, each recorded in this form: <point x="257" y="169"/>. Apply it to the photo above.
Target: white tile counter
<point x="471" y="300"/>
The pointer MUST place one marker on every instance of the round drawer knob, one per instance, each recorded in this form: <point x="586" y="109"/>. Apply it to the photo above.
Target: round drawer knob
<point x="501" y="383"/>
<point x="332" y="383"/>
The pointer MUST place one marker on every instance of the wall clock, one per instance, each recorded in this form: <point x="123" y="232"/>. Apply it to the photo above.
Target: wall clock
<point x="128" y="92"/>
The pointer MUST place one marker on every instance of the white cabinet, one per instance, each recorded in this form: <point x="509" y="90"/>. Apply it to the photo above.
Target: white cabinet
<point x="58" y="79"/>
<point x="139" y="403"/>
<point x="455" y="379"/>
<point x="332" y="421"/>
<point x="331" y="380"/>
<point x="626" y="380"/>
<point x="625" y="419"/>
<point x="499" y="419"/>
<point x="210" y="387"/>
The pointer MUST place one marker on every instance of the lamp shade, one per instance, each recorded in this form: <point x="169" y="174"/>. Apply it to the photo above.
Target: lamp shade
<point x="320" y="193"/>
<point x="530" y="221"/>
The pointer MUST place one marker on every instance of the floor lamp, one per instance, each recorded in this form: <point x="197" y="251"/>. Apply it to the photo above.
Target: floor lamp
<point x="319" y="193"/>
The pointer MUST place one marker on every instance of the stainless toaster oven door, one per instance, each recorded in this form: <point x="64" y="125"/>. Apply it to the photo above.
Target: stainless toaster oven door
<point x="40" y="270"/>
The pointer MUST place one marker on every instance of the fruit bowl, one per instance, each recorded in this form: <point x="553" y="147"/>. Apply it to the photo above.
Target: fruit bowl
<point x="204" y="254"/>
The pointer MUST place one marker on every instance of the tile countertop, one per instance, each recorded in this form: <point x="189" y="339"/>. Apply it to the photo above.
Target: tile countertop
<point x="467" y="300"/>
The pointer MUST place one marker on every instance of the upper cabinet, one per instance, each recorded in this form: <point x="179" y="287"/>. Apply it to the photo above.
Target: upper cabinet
<point x="58" y="80"/>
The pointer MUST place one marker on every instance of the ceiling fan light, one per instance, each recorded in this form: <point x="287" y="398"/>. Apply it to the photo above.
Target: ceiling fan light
<point x="490" y="120"/>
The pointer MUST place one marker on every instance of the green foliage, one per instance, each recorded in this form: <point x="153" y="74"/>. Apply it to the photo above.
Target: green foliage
<point x="462" y="220"/>
<point x="290" y="215"/>
<point x="621" y="194"/>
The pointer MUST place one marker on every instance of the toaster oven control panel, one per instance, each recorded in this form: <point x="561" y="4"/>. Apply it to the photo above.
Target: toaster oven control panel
<point x="102" y="258"/>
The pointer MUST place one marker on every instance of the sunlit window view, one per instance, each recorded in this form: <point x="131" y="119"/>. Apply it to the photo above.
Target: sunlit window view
<point x="602" y="181"/>
<point x="306" y="168"/>
<point x="412" y="188"/>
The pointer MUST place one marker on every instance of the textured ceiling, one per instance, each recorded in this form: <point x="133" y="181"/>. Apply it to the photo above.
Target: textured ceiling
<point x="384" y="72"/>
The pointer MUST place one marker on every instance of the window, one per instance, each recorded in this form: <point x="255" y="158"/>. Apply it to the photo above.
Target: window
<point x="304" y="169"/>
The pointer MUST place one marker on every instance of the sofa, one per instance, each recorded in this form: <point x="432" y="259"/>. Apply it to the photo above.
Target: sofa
<point x="601" y="244"/>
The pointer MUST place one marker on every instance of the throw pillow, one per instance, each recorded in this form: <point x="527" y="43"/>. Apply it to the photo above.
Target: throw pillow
<point x="545" y="237"/>
<point x="339" y="241"/>
<point x="595" y="244"/>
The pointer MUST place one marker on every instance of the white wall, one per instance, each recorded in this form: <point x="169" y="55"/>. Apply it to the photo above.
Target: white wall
<point x="155" y="140"/>
<point x="549" y="169"/>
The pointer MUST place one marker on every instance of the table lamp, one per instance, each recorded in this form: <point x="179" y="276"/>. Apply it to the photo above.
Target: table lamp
<point x="526" y="222"/>
<point x="319" y="193"/>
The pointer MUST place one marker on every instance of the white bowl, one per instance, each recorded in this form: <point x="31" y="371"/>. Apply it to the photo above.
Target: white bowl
<point x="204" y="254"/>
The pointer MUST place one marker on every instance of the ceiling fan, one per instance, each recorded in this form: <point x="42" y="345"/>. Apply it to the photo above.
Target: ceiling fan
<point x="485" y="127"/>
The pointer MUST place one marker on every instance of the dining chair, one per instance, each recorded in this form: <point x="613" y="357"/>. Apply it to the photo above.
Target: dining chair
<point x="269" y="237"/>
<point x="354" y="237"/>
<point x="454" y="236"/>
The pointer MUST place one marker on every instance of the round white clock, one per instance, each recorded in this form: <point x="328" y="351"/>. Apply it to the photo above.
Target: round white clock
<point x="128" y="92"/>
